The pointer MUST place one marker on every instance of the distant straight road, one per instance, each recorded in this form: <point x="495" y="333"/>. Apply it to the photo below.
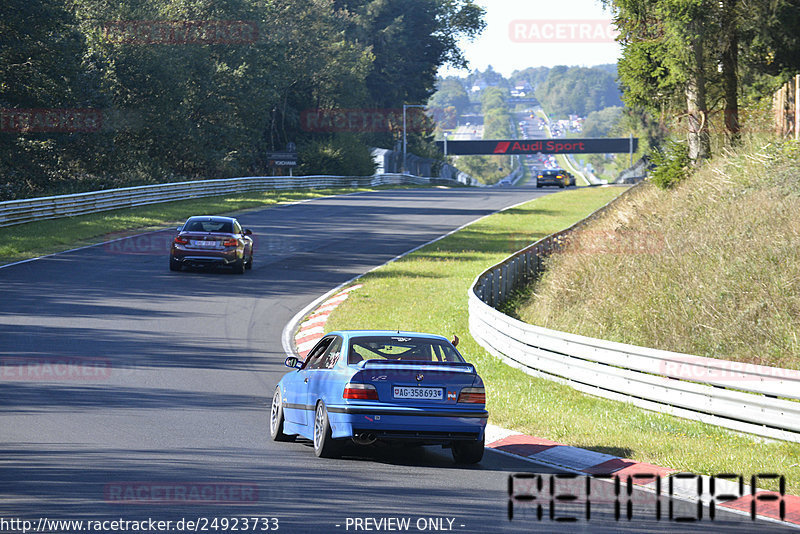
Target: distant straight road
<point x="172" y="423"/>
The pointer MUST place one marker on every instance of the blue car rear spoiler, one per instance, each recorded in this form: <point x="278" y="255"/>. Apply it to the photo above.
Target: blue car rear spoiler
<point x="431" y="366"/>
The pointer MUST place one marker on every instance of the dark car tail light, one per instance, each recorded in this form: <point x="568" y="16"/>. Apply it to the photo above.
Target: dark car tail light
<point x="230" y="243"/>
<point x="181" y="240"/>
<point x="473" y="395"/>
<point x="360" y="392"/>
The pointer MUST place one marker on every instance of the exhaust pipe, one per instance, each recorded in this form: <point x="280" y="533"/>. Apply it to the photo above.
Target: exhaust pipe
<point x="365" y="438"/>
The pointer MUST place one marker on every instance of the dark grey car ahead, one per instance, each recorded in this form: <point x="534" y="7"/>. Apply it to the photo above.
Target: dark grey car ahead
<point x="557" y="177"/>
<point x="207" y="241"/>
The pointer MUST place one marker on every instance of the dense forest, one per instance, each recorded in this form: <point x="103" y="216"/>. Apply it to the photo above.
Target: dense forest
<point x="578" y="90"/>
<point x="562" y="90"/>
<point x="97" y="94"/>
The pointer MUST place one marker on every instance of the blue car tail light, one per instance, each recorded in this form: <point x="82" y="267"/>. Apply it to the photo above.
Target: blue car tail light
<point x="360" y="392"/>
<point x="472" y="395"/>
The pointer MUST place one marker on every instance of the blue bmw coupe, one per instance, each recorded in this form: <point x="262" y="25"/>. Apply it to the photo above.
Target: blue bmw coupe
<point x="375" y="386"/>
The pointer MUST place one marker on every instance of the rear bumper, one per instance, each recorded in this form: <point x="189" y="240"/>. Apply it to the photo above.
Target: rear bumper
<point x="206" y="260"/>
<point x="202" y="257"/>
<point x="549" y="182"/>
<point x="435" y="426"/>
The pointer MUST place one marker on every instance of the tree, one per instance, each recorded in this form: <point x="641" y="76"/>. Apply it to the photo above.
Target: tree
<point x="665" y="53"/>
<point x="684" y="57"/>
<point x="410" y="40"/>
<point x="577" y="90"/>
<point x="40" y="68"/>
<point x="450" y="92"/>
<point x="601" y="123"/>
<point x="532" y="75"/>
<point x="199" y="108"/>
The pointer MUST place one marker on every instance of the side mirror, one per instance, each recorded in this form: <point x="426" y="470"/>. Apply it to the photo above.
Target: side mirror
<point x="455" y="340"/>
<point x="179" y="228"/>
<point x="247" y="232"/>
<point x="293" y="362"/>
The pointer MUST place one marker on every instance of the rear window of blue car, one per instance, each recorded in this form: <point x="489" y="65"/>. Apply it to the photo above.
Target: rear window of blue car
<point x="402" y="348"/>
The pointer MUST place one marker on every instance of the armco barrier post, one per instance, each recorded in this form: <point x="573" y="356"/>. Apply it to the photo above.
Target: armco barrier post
<point x="504" y="285"/>
<point x="529" y="267"/>
<point x="517" y="273"/>
<point x="487" y="288"/>
<point x="496" y="281"/>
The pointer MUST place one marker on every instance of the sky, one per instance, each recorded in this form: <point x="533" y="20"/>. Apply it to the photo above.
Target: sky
<point x="540" y="33"/>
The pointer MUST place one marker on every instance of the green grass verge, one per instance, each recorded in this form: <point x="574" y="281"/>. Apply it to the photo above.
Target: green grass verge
<point x="710" y="267"/>
<point x="39" y="238"/>
<point x="427" y="291"/>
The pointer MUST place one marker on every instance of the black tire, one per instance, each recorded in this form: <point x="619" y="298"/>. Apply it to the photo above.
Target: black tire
<point x="174" y="265"/>
<point x="239" y="267"/>
<point x="467" y="452"/>
<point x="249" y="264"/>
<point x="324" y="445"/>
<point x="276" y="419"/>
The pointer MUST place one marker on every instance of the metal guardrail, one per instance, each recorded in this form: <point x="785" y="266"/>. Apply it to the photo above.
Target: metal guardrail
<point x="737" y="396"/>
<point x="21" y="211"/>
<point x="515" y="175"/>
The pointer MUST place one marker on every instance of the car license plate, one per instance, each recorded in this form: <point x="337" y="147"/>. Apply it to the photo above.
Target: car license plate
<point x="403" y="392"/>
<point x="205" y="243"/>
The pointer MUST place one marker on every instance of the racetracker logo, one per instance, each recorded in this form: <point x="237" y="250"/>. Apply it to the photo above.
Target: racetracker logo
<point x="562" y="31"/>
<point x="50" y="120"/>
<point x="181" y="32"/>
<point x="368" y="120"/>
<point x="44" y="369"/>
<point x="699" y="369"/>
<point x="614" y="242"/>
<point x="179" y="493"/>
<point x="155" y="244"/>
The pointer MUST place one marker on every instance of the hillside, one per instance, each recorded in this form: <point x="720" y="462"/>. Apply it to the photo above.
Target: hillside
<point x="711" y="267"/>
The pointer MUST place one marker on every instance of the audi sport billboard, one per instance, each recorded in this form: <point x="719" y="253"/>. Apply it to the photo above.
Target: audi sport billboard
<point x="605" y="145"/>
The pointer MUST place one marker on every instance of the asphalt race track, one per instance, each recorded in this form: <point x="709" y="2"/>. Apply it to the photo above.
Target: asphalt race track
<point x="170" y="419"/>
